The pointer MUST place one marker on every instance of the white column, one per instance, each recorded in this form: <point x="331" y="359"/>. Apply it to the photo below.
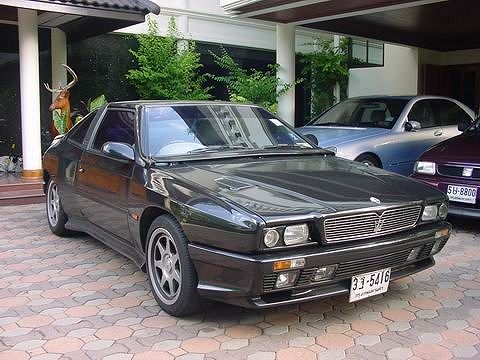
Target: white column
<point x="182" y="25"/>
<point x="286" y="70"/>
<point x="29" y="93"/>
<point x="336" y="88"/>
<point x="59" y="57"/>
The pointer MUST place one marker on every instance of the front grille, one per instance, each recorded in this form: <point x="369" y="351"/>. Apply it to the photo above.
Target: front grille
<point x="457" y="171"/>
<point x="348" y="269"/>
<point x="372" y="224"/>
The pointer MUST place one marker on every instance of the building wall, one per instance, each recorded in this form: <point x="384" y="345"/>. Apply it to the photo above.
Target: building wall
<point x="206" y="21"/>
<point x="398" y="76"/>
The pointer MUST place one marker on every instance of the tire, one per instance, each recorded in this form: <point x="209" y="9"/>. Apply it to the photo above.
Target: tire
<point x="55" y="214"/>
<point x="170" y="270"/>
<point x="369" y="160"/>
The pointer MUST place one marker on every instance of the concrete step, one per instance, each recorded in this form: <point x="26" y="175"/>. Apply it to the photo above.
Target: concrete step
<point x="16" y="191"/>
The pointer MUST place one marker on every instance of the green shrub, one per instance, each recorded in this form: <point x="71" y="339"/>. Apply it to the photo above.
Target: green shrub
<point x="250" y="85"/>
<point x="165" y="72"/>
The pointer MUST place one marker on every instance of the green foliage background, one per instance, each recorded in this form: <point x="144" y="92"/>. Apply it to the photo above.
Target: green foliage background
<point x="163" y="71"/>
<point x="324" y="67"/>
<point x="250" y="85"/>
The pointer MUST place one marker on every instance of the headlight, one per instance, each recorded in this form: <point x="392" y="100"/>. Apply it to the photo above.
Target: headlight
<point x="435" y="212"/>
<point x="430" y="213"/>
<point x="271" y="238"/>
<point x="332" y="149"/>
<point x="425" y="167"/>
<point x="296" y="234"/>
<point x="443" y="211"/>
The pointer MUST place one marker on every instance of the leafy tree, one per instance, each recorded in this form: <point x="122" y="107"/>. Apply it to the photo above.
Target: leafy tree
<point x="250" y="85"/>
<point x="324" y="67"/>
<point x="164" y="71"/>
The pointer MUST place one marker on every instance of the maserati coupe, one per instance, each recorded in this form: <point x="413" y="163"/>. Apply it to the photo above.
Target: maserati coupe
<point x="227" y="202"/>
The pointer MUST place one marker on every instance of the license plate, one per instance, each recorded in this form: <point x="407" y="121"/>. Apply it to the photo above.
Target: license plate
<point x="462" y="194"/>
<point x="369" y="284"/>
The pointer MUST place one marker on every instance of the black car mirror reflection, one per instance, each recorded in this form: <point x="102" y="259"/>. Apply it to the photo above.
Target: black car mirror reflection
<point x="464" y="125"/>
<point x="119" y="150"/>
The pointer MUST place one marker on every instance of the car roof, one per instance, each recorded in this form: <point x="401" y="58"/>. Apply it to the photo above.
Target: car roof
<point x="135" y="103"/>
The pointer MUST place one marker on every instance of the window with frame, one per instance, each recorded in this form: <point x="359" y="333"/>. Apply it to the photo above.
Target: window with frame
<point x="422" y="112"/>
<point x="449" y="113"/>
<point x="365" y="53"/>
<point x="79" y="131"/>
<point x="116" y="126"/>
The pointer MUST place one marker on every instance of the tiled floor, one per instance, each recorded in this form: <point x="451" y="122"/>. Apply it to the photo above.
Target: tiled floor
<point x="76" y="299"/>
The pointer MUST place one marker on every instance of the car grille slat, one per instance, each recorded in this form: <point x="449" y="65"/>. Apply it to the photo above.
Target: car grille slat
<point x="457" y="171"/>
<point x="361" y="226"/>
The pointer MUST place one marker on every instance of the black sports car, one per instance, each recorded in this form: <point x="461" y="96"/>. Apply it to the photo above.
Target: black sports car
<point x="227" y="202"/>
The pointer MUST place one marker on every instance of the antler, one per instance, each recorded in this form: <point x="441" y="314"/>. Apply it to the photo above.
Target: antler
<point x="75" y="77"/>
<point x="69" y="85"/>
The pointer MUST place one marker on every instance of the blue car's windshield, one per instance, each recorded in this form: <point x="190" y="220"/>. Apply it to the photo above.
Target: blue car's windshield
<point x="367" y="112"/>
<point x="178" y="130"/>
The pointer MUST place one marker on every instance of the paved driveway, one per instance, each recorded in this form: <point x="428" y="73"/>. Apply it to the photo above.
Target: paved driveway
<point x="74" y="298"/>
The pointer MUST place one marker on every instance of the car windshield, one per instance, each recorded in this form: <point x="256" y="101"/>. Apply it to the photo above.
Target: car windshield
<point x="194" y="129"/>
<point x="367" y="112"/>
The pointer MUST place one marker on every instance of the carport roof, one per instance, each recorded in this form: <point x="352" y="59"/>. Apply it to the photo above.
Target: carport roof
<point x="79" y="19"/>
<point x="442" y="25"/>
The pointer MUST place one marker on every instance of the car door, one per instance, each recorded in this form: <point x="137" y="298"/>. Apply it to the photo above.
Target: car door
<point x="450" y="115"/>
<point x="102" y="181"/>
<point x="411" y="144"/>
<point x="71" y="156"/>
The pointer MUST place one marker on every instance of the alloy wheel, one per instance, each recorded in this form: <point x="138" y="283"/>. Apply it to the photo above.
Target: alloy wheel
<point x="53" y="204"/>
<point x="164" y="266"/>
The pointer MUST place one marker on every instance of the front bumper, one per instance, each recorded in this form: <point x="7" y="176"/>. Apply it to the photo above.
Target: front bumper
<point x="246" y="280"/>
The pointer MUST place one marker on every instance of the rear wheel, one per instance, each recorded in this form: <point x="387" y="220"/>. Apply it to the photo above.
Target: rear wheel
<point x="55" y="214"/>
<point x="170" y="270"/>
<point x="369" y="160"/>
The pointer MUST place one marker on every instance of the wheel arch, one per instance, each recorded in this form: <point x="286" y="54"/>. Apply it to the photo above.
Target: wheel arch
<point x="369" y="153"/>
<point x="148" y="216"/>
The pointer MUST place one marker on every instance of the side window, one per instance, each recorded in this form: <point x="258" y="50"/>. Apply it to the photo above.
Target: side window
<point x="78" y="132"/>
<point x="422" y="112"/>
<point x="117" y="126"/>
<point x="449" y="113"/>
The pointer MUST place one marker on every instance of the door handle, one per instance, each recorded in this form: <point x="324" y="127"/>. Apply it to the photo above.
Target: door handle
<point x="81" y="170"/>
<point x="438" y="133"/>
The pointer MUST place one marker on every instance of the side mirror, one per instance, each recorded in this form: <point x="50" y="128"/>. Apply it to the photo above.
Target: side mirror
<point x="464" y="125"/>
<point x="412" y="125"/>
<point x="119" y="150"/>
<point x="312" y="138"/>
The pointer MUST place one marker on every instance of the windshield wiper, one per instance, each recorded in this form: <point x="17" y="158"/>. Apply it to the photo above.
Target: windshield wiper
<point x="331" y="124"/>
<point x="286" y="146"/>
<point x="216" y="148"/>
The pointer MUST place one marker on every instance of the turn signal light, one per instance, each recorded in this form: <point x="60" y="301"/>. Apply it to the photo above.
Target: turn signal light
<point x="288" y="264"/>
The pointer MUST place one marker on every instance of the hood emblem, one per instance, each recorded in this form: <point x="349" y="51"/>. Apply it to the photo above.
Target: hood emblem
<point x="467" y="172"/>
<point x="375" y="200"/>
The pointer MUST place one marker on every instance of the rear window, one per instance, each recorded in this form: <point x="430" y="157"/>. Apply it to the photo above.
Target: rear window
<point x="79" y="131"/>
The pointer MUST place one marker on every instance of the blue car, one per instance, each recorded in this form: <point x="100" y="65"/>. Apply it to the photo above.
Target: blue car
<point x="388" y="132"/>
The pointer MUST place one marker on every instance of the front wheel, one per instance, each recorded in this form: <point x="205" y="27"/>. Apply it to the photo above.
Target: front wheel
<point x="170" y="270"/>
<point x="369" y="160"/>
<point x="55" y="214"/>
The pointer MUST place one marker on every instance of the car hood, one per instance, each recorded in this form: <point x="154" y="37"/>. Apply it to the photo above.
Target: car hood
<point x="459" y="149"/>
<point x="298" y="186"/>
<point x="335" y="136"/>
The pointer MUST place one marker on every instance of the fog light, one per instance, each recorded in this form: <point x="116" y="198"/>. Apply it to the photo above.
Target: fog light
<point x="414" y="253"/>
<point x="271" y="238"/>
<point x="288" y="264"/>
<point x="443" y="211"/>
<point x="430" y="213"/>
<point x="436" y="247"/>
<point x="325" y="272"/>
<point x="286" y="279"/>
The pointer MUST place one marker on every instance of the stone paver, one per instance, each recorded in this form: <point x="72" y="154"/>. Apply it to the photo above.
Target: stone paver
<point x="73" y="298"/>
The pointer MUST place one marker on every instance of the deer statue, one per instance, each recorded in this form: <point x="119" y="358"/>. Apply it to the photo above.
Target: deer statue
<point x="62" y="120"/>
